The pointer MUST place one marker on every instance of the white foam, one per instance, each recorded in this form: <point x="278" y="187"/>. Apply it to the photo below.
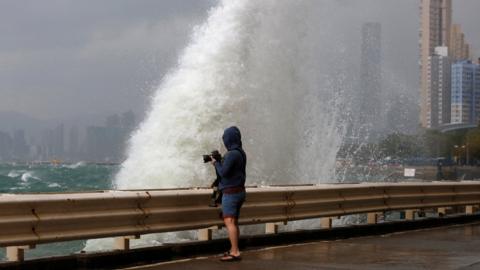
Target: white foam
<point x="76" y="165"/>
<point x="250" y="64"/>
<point x="14" y="174"/>
<point x="28" y="176"/>
<point x="53" y="185"/>
<point x="247" y="65"/>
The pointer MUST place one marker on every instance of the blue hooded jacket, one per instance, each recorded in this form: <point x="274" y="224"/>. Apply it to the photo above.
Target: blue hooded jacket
<point x="232" y="168"/>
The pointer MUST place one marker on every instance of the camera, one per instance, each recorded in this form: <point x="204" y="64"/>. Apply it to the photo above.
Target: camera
<point x="207" y="158"/>
<point x="216" y="197"/>
<point x="215" y="155"/>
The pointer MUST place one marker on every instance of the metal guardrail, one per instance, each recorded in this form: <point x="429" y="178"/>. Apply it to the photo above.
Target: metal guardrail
<point x="30" y="219"/>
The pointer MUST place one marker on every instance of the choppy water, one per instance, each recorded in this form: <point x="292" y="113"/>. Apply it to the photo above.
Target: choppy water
<point x="23" y="178"/>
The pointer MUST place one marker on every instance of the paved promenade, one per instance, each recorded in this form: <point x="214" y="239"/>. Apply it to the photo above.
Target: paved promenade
<point x="442" y="248"/>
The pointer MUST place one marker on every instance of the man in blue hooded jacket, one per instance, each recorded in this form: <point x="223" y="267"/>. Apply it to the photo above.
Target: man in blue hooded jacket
<point x="232" y="185"/>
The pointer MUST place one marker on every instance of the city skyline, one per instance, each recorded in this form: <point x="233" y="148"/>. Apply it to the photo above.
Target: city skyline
<point x="92" y="143"/>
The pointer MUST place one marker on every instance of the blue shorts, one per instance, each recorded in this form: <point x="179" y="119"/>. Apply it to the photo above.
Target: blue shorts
<point x="231" y="204"/>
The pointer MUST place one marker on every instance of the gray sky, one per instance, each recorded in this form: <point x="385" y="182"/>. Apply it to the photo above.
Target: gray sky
<point x="63" y="58"/>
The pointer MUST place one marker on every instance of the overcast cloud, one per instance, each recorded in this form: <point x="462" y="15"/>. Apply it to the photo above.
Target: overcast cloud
<point x="62" y="58"/>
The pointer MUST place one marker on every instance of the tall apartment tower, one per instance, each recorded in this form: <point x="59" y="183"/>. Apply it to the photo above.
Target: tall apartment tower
<point x="370" y="77"/>
<point x="435" y="31"/>
<point x="465" y="92"/>
<point x="459" y="48"/>
<point x="73" y="142"/>
<point x="438" y="88"/>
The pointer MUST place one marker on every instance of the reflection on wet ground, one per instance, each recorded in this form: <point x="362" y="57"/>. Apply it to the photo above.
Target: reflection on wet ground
<point x="456" y="247"/>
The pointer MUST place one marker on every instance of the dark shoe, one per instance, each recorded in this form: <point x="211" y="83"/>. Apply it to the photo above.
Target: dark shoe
<point x="230" y="258"/>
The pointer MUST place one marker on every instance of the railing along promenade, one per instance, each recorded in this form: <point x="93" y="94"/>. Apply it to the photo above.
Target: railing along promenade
<point x="30" y="219"/>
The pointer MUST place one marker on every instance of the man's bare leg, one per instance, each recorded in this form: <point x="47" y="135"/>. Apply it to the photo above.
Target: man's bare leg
<point x="233" y="234"/>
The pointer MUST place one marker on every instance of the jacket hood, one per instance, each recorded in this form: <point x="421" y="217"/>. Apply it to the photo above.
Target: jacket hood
<point x="232" y="138"/>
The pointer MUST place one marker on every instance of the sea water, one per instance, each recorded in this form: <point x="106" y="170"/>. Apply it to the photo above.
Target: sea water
<point x="33" y="178"/>
<point x="28" y="178"/>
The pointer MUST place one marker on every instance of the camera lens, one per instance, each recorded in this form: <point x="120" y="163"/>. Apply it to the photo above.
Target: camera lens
<point x="207" y="158"/>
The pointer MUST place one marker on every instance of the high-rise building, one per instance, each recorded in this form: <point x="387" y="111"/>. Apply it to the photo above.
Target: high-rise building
<point x="107" y="143"/>
<point x="73" y="142"/>
<point x="58" y="142"/>
<point x="370" y="77"/>
<point x="438" y="88"/>
<point x="96" y="143"/>
<point x="53" y="143"/>
<point x="6" y="146"/>
<point x="465" y="93"/>
<point x="459" y="48"/>
<point x="20" y="147"/>
<point x="128" y="120"/>
<point x="435" y="31"/>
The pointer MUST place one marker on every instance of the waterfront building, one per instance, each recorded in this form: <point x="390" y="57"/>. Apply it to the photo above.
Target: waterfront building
<point x="465" y="108"/>
<point x="58" y="142"/>
<point x="96" y="143"/>
<point x="20" y="147"/>
<point x="73" y="142"/>
<point x="107" y="143"/>
<point x="438" y="88"/>
<point x="53" y="144"/>
<point x="435" y="31"/>
<point x="6" y="146"/>
<point x="459" y="48"/>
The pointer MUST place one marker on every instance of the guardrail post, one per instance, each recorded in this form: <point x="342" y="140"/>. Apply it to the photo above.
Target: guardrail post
<point x="207" y="233"/>
<point x="326" y="222"/>
<point x="409" y="214"/>
<point x="17" y="253"/>
<point x="372" y="218"/>
<point x="204" y="234"/>
<point x="123" y="243"/>
<point x="469" y="209"/>
<point x="272" y="228"/>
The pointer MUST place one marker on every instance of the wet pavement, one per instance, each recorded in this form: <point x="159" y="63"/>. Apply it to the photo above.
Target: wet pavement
<point x="456" y="247"/>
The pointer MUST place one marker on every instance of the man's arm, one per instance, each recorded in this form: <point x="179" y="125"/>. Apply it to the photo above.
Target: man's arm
<point x="229" y="160"/>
